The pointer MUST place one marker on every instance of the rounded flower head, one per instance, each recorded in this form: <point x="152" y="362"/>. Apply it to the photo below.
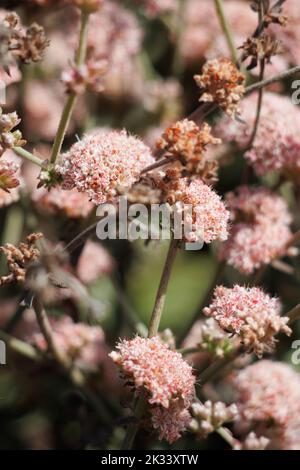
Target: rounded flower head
<point x="82" y="343"/>
<point x="59" y="201"/>
<point x="221" y="83"/>
<point x="261" y="230"/>
<point x="277" y="143"/>
<point x="207" y="218"/>
<point x="103" y="161"/>
<point x="268" y="399"/>
<point x="249" y="313"/>
<point x="167" y="379"/>
<point x="187" y="143"/>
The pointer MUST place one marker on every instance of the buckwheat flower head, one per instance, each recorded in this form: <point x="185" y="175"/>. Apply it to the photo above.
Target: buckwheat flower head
<point x="166" y="378"/>
<point x="170" y="422"/>
<point x="94" y="262"/>
<point x="207" y="217"/>
<point x="254" y="204"/>
<point x="103" y="161"/>
<point x="187" y="143"/>
<point x="250" y="314"/>
<point x="56" y="201"/>
<point x="277" y="143"/>
<point x="221" y="83"/>
<point x="150" y="364"/>
<point x="8" y="179"/>
<point x="209" y="416"/>
<point x="11" y="182"/>
<point x="84" y="344"/>
<point x="251" y="246"/>
<point x="268" y="399"/>
<point x="261" y="229"/>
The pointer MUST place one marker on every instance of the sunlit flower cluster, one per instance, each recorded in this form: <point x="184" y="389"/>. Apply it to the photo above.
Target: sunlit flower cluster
<point x="103" y="161"/>
<point x="250" y="314"/>
<point x="167" y="379"/>
<point x="207" y="217"/>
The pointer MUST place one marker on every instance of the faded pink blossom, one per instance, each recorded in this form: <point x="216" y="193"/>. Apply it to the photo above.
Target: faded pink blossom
<point x="277" y="143"/>
<point x="250" y="314"/>
<point x="103" y="161"/>
<point x="8" y="198"/>
<point x="260" y="232"/>
<point x="59" y="201"/>
<point x="268" y="398"/>
<point x="94" y="262"/>
<point x="84" y="344"/>
<point x="167" y="379"/>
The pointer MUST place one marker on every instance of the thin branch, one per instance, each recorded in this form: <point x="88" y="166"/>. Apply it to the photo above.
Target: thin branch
<point x="21" y="347"/>
<point x="226" y="29"/>
<point x="69" y="106"/>
<point x="276" y="78"/>
<point x="28" y="156"/>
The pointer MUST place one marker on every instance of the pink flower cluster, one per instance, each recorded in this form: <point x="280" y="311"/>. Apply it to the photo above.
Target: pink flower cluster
<point x="208" y="218"/>
<point x="268" y="398"/>
<point x="260" y="232"/>
<point x="10" y="181"/>
<point x="250" y="314"/>
<point x="82" y="343"/>
<point x="277" y="143"/>
<point x="94" y="262"/>
<point x="103" y="161"/>
<point x="59" y="201"/>
<point x="167" y="379"/>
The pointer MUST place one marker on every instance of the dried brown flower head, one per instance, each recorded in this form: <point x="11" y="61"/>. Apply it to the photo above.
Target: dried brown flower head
<point x="19" y="42"/>
<point x="260" y="48"/>
<point x="87" y="76"/>
<point x="19" y="258"/>
<point x="221" y="83"/>
<point x="187" y="143"/>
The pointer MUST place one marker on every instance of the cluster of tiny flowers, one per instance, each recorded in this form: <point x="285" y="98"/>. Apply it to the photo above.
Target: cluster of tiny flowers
<point x="166" y="378"/>
<point x="260" y="232"/>
<point x="94" y="262"/>
<point x="250" y="314"/>
<point x="208" y="217"/>
<point x="24" y="44"/>
<point x="83" y="344"/>
<point x="268" y="399"/>
<point x="277" y="144"/>
<point x="8" y="179"/>
<point x="19" y="258"/>
<point x="8" y="137"/>
<point x="221" y="83"/>
<point x="55" y="201"/>
<point x="252" y="442"/>
<point x="187" y="143"/>
<point x="88" y="76"/>
<point x="155" y="8"/>
<point x="103" y="161"/>
<point x="208" y="417"/>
